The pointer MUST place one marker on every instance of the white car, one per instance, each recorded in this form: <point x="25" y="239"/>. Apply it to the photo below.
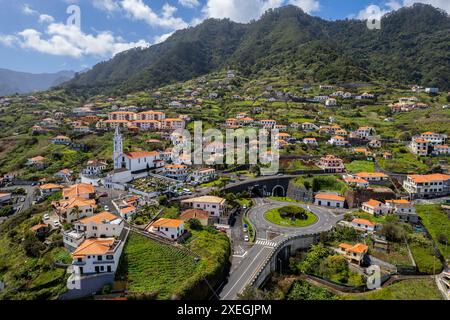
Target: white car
<point x="56" y="224"/>
<point x="106" y="208"/>
<point x="46" y="216"/>
<point x="246" y="239"/>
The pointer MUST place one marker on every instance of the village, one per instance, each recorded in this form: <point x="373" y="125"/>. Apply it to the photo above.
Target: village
<point x="107" y="173"/>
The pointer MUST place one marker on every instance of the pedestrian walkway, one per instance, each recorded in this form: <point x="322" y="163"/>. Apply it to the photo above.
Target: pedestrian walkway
<point x="266" y="243"/>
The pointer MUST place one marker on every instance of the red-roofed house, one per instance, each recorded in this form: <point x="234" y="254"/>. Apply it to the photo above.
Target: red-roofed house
<point x="374" y="207"/>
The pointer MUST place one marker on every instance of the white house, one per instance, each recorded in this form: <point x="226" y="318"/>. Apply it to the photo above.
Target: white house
<point x="364" y="132"/>
<point x="168" y="228"/>
<point x="99" y="255"/>
<point x="331" y="163"/>
<point x="49" y="188"/>
<point x="373" y="176"/>
<point x="216" y="206"/>
<point x="102" y="225"/>
<point x="310" y="141"/>
<point x="74" y="209"/>
<point x="94" y="167"/>
<point x="356" y="181"/>
<point x="403" y="209"/>
<point x="203" y="175"/>
<point x="338" y="141"/>
<point x="432" y="90"/>
<point x="363" y="224"/>
<point x="427" y="186"/>
<point x="331" y="102"/>
<point x="419" y="146"/>
<point x="434" y="138"/>
<point x="329" y="200"/>
<point x="374" y="207"/>
<point x="176" y="171"/>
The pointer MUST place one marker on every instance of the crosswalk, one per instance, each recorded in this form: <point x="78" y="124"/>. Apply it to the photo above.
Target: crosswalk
<point x="266" y="243"/>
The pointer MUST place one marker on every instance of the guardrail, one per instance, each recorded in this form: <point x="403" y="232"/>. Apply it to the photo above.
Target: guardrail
<point x="279" y="247"/>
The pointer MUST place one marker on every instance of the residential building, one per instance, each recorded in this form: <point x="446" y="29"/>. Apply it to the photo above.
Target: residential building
<point x="122" y="116"/>
<point x="364" y="132"/>
<point x="127" y="212"/>
<point x="329" y="200"/>
<point x="99" y="255"/>
<point x="201" y="215"/>
<point x="151" y="115"/>
<point x="307" y="126"/>
<point x="267" y="123"/>
<point x="80" y="190"/>
<point x="420" y="146"/>
<point x="64" y="174"/>
<point x="203" y="175"/>
<point x="427" y="186"/>
<point x="61" y="140"/>
<point x="331" y="164"/>
<point x="102" y="225"/>
<point x="49" y="188"/>
<point x="439" y="150"/>
<point x="215" y="206"/>
<point x="146" y="125"/>
<point x="74" y="209"/>
<point x="331" y="102"/>
<point x="176" y="171"/>
<point x="94" y="167"/>
<point x="40" y="230"/>
<point x="338" y="141"/>
<point x="353" y="253"/>
<point x="310" y="141"/>
<point x="373" y="177"/>
<point x="434" y="138"/>
<point x="37" y="162"/>
<point x="403" y="209"/>
<point x="356" y="181"/>
<point x="363" y="225"/>
<point x="172" y="124"/>
<point x="374" y="207"/>
<point x="168" y="228"/>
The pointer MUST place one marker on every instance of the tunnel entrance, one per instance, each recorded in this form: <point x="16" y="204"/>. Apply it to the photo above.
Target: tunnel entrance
<point x="278" y="191"/>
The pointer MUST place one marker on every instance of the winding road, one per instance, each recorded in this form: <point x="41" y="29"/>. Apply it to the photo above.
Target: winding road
<point x="269" y="235"/>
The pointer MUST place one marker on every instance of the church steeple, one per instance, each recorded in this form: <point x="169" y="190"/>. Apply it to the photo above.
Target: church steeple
<point x="118" y="148"/>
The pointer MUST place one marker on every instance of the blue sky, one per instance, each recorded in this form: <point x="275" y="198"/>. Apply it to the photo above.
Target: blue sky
<point x="35" y="36"/>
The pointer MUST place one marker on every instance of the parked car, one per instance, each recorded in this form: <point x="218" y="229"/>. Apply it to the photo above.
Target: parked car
<point x="246" y="238"/>
<point x="46" y="216"/>
<point x="56" y="224"/>
<point x="106" y="208"/>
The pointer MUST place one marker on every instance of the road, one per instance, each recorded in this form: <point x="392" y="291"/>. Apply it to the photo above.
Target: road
<point x="246" y="263"/>
<point x="28" y="198"/>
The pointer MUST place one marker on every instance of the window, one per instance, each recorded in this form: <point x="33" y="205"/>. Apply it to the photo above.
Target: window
<point x="99" y="258"/>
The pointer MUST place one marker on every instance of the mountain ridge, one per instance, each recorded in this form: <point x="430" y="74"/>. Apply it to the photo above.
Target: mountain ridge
<point x="12" y="82"/>
<point x="288" y="39"/>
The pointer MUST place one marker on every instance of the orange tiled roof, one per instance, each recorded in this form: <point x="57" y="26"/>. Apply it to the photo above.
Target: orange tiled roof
<point x="50" y="186"/>
<point x="371" y="175"/>
<point x="364" y="221"/>
<point x="99" y="218"/>
<point x="357" y="248"/>
<point x="372" y="203"/>
<point x="77" y="190"/>
<point x="329" y="196"/>
<point x="418" y="178"/>
<point x="141" y="154"/>
<point x="168" y="223"/>
<point x="94" y="247"/>
<point x="194" y="214"/>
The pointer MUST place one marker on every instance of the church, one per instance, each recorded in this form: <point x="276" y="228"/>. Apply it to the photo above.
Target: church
<point x="130" y="165"/>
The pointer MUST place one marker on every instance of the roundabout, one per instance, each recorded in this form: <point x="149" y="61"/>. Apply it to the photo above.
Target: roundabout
<point x="279" y="217"/>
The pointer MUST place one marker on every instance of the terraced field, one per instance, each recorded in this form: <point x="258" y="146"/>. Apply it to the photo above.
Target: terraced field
<point x="156" y="269"/>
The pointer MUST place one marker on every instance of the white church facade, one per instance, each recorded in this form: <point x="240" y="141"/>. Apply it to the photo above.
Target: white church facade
<point x="130" y="165"/>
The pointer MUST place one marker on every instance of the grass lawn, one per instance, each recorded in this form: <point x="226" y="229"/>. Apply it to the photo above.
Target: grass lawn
<point x="436" y="222"/>
<point x="321" y="183"/>
<point x="274" y="217"/>
<point x="152" y="267"/>
<point x="414" y="289"/>
<point x="360" y="166"/>
<point x="285" y="199"/>
<point x="425" y="259"/>
<point x="403" y="162"/>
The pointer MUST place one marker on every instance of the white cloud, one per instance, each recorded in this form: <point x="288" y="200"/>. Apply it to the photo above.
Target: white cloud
<point x="45" y="18"/>
<point x="238" y="10"/>
<point x="63" y="40"/>
<point x="8" y="40"/>
<point x="375" y="12"/>
<point x="306" y="5"/>
<point x="106" y="5"/>
<point x="189" y="3"/>
<point x="162" y="38"/>
<point x="138" y="10"/>
<point x="443" y="4"/>
<point x="371" y="12"/>
<point x="28" y="10"/>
